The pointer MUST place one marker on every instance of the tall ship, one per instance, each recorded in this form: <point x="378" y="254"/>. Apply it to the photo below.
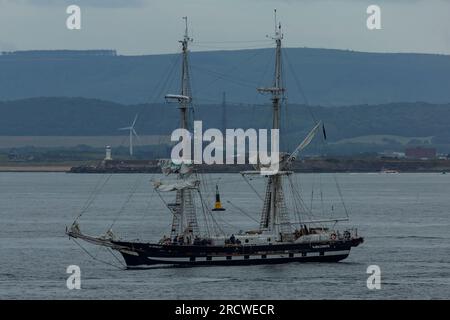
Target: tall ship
<point x="276" y="239"/>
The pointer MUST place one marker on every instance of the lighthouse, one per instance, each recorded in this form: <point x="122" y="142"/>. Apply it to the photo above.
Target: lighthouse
<point x="108" y="153"/>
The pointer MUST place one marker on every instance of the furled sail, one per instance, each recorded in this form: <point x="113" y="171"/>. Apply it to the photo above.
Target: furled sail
<point x="178" y="97"/>
<point x="168" y="167"/>
<point x="305" y="142"/>
<point x="180" y="185"/>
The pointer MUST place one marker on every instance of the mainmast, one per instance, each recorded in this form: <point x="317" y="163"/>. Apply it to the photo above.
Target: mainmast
<point x="277" y="87"/>
<point x="274" y="216"/>
<point x="184" y="220"/>
<point x="185" y="82"/>
<point x="224" y="112"/>
<point x="277" y="90"/>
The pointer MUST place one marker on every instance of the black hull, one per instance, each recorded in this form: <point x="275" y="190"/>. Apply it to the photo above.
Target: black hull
<point x="138" y="263"/>
<point x="141" y="255"/>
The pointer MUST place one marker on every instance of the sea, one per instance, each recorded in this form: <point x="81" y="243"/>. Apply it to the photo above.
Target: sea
<point x="404" y="219"/>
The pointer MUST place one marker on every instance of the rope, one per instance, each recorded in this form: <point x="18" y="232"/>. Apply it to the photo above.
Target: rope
<point x="164" y="201"/>
<point x="242" y="211"/>
<point x="229" y="224"/>
<point x="212" y="216"/>
<point x="340" y="194"/>
<point x="95" y="258"/>
<point x="161" y="86"/>
<point x="302" y="202"/>
<point x="263" y="79"/>
<point x="205" y="216"/>
<point x="120" y="261"/>
<point x="260" y="46"/>
<point x="236" y="41"/>
<point x="130" y="195"/>
<point x="93" y="196"/>
<point x="253" y="188"/>
<point x="299" y="86"/>
<point x="230" y="71"/>
<point x="296" y="207"/>
<point x="241" y="82"/>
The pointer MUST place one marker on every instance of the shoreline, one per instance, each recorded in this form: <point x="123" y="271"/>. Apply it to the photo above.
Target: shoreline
<point x="35" y="168"/>
<point x="67" y="169"/>
<point x="318" y="165"/>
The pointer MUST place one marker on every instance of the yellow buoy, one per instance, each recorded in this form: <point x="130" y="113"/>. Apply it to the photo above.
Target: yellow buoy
<point x="218" y="204"/>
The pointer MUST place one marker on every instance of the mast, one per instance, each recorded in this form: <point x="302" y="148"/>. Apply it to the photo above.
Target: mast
<point x="277" y="87"/>
<point x="274" y="216"/>
<point x="184" y="215"/>
<point x="224" y="118"/>
<point x="185" y="81"/>
<point x="224" y="112"/>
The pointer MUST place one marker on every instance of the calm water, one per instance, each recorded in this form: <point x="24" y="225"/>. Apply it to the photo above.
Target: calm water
<point x="405" y="219"/>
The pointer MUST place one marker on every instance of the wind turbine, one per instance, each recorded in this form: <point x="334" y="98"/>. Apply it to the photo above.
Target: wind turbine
<point x="131" y="133"/>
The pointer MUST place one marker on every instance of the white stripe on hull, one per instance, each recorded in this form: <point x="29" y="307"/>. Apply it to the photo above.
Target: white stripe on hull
<point x="250" y="257"/>
<point x="182" y="259"/>
<point x="336" y="253"/>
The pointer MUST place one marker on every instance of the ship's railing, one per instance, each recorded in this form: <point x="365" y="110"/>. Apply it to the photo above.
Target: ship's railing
<point x="326" y="235"/>
<point x="347" y="234"/>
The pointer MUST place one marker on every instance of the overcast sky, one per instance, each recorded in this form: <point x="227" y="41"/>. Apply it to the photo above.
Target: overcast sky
<point x="154" y="26"/>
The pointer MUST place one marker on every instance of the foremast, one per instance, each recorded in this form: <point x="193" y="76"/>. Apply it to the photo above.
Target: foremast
<point x="184" y="221"/>
<point x="274" y="216"/>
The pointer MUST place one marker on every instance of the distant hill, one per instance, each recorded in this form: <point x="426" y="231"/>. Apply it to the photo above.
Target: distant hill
<point x="92" y="117"/>
<point x="328" y="77"/>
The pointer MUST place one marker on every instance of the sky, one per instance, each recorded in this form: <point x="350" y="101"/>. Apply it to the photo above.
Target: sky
<point x="136" y="27"/>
